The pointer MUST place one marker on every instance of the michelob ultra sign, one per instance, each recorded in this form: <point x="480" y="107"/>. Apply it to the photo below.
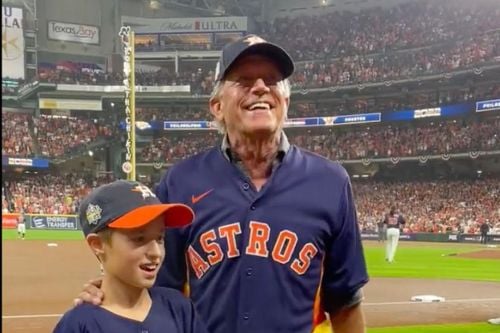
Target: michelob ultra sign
<point x="12" y="43"/>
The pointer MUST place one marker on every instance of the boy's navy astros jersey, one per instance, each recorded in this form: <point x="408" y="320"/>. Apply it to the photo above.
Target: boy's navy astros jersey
<point x="170" y="312"/>
<point x="266" y="261"/>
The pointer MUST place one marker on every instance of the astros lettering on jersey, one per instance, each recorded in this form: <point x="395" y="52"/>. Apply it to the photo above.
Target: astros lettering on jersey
<point x="267" y="261"/>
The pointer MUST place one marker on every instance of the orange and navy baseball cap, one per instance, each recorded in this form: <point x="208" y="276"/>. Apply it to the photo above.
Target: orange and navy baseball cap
<point x="253" y="44"/>
<point x="125" y="204"/>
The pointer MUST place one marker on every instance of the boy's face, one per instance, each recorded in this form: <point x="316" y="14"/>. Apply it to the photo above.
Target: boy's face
<point x="134" y="256"/>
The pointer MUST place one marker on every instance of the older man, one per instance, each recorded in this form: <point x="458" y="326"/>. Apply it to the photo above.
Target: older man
<point x="275" y="245"/>
<point x="275" y="242"/>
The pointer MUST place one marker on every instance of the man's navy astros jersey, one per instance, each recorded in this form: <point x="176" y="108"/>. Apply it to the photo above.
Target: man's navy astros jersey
<point x="263" y="261"/>
<point x="170" y="312"/>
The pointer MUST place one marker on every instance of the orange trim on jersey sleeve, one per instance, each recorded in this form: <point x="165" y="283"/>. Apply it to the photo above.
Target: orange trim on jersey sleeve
<point x="319" y="315"/>
<point x="185" y="290"/>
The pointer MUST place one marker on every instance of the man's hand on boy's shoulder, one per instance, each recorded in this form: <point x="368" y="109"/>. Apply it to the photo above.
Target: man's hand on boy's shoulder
<point x="91" y="292"/>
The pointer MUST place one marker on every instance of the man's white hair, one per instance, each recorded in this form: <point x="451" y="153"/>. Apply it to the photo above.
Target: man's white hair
<point x="283" y="87"/>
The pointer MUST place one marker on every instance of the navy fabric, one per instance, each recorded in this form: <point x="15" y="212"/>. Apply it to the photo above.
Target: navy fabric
<point x="170" y="312"/>
<point x="295" y="235"/>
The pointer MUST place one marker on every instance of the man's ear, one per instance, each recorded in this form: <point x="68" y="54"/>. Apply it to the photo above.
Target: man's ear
<point x="287" y="104"/>
<point x="96" y="244"/>
<point x="215" y="105"/>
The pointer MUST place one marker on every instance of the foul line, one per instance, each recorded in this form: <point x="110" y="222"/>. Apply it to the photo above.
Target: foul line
<point x="464" y="300"/>
<point x="32" y="316"/>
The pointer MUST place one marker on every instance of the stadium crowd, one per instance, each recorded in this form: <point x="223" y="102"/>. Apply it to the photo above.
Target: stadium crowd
<point x="16" y="136"/>
<point x="374" y="30"/>
<point x="413" y="100"/>
<point x="51" y="132"/>
<point x="377" y="30"/>
<point x="439" y="207"/>
<point x="172" y="147"/>
<point x="24" y="135"/>
<point x="201" y="81"/>
<point x="355" y="69"/>
<point x="399" y="140"/>
<point x="50" y="194"/>
<point x="360" y="69"/>
<point x="404" y="140"/>
<point x="406" y="41"/>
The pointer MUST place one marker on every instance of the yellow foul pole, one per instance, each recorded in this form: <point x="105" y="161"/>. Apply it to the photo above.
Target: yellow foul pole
<point x="132" y="101"/>
<point x="127" y="36"/>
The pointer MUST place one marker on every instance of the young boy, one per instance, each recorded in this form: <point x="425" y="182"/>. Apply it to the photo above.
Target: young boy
<point x="124" y="225"/>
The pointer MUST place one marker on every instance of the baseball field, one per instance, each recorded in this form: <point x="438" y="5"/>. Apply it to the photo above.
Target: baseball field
<point x="42" y="274"/>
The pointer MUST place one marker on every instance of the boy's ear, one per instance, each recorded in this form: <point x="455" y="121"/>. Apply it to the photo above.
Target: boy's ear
<point x="96" y="244"/>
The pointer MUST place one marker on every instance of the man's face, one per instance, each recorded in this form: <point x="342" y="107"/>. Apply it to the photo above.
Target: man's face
<point x="251" y="103"/>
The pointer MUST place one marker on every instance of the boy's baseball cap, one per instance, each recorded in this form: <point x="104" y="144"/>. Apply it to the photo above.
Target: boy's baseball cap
<point x="128" y="204"/>
<point x="253" y="44"/>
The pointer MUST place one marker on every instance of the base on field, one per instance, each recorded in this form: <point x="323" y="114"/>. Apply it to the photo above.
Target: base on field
<point x="427" y="298"/>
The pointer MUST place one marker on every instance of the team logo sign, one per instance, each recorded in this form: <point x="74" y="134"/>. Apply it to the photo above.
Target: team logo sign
<point x="12" y="42"/>
<point x="10" y="46"/>
<point x="127" y="167"/>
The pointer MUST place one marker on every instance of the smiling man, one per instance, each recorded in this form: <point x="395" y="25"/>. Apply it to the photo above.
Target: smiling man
<point x="275" y="245"/>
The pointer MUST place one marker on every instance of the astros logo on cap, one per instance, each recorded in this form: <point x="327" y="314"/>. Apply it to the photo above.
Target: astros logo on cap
<point x="251" y="40"/>
<point x="146" y="192"/>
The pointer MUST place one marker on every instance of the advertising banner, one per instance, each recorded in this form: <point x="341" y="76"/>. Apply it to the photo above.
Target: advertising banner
<point x="54" y="222"/>
<point x="187" y="125"/>
<point x="70" y="104"/>
<point x="176" y="25"/>
<point x="9" y="220"/>
<point x="443" y="111"/>
<point x="491" y="105"/>
<point x="70" y="32"/>
<point x="27" y="162"/>
<point x="12" y="43"/>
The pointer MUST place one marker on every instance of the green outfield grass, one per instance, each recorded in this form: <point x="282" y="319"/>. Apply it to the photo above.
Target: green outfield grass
<point x="432" y="262"/>
<point x="48" y="235"/>
<point x="412" y="261"/>
<point x="427" y="260"/>
<point x="448" y="328"/>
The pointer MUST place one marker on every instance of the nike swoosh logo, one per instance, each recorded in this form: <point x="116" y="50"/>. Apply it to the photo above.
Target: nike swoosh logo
<point x="195" y="199"/>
